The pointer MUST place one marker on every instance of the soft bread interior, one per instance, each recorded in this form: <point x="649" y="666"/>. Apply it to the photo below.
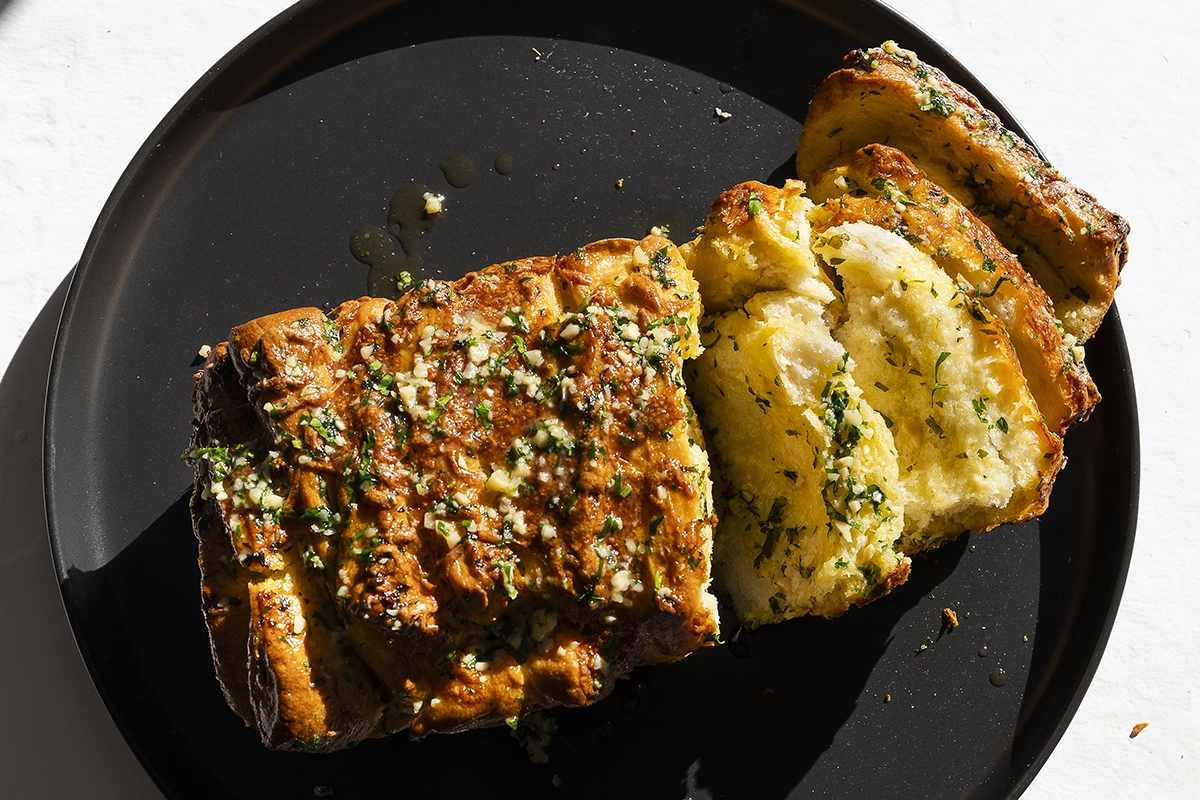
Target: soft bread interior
<point x="972" y="448"/>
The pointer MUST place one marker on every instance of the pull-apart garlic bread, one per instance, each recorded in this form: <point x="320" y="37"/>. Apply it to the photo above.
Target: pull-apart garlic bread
<point x="444" y="512"/>
<point x="880" y="185"/>
<point x="1072" y="245"/>
<point x="804" y="466"/>
<point x="973" y="450"/>
<point x="860" y="405"/>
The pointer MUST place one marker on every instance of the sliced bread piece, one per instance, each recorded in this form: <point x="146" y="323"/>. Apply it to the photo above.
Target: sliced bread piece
<point x="880" y="185"/>
<point x="973" y="449"/>
<point x="806" y="468"/>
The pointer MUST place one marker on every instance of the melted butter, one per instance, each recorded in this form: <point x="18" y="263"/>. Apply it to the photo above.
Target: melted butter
<point x="503" y="165"/>
<point x="459" y="171"/>
<point x="373" y="246"/>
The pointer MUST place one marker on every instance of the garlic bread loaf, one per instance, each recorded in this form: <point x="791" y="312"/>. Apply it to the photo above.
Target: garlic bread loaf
<point x="1073" y="246"/>
<point x="452" y="510"/>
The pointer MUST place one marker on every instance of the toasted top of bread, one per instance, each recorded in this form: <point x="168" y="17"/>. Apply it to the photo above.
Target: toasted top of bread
<point x="755" y="239"/>
<point x="878" y="184"/>
<point x="1073" y="246"/>
<point x="973" y="449"/>
<point x="485" y="499"/>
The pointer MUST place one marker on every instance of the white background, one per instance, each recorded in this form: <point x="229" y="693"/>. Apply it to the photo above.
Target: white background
<point x="1104" y="87"/>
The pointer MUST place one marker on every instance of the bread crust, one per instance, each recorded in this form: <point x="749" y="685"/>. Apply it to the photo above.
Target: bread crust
<point x="1072" y="245"/>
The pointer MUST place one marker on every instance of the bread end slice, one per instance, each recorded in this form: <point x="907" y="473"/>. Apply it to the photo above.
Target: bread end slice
<point x="1072" y="245"/>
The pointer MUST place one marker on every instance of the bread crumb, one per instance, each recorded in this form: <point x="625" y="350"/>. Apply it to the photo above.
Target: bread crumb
<point x="951" y="617"/>
<point x="768" y="691"/>
<point x="1141" y="726"/>
<point x="887" y="698"/>
<point x="620" y="182"/>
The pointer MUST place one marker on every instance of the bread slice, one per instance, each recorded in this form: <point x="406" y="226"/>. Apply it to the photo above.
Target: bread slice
<point x="1073" y="246"/>
<point x="805" y="468"/>
<point x="880" y="185"/>
<point x="279" y="652"/>
<point x="973" y="449"/>
<point x="445" y="512"/>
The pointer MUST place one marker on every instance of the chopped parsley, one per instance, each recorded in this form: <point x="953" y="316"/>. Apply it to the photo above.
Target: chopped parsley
<point x="995" y="288"/>
<point x="980" y="406"/>
<point x="658" y="267"/>
<point x="936" y="383"/>
<point x="483" y="413"/>
<point x="754" y="205"/>
<point x="936" y="102"/>
<point x="507" y="578"/>
<point x="611" y="525"/>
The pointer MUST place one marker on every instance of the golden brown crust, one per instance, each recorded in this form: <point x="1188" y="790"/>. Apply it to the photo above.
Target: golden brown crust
<point x="1073" y="246"/>
<point x="754" y="239"/>
<point x="878" y="184"/>
<point x="885" y="585"/>
<point x="482" y="498"/>
<point x="308" y="690"/>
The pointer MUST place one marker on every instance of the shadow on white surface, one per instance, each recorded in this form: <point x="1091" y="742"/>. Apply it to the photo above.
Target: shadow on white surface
<point x="58" y="739"/>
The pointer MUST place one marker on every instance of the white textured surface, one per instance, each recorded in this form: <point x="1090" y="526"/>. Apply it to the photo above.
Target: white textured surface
<point x="1104" y="89"/>
<point x="1102" y="86"/>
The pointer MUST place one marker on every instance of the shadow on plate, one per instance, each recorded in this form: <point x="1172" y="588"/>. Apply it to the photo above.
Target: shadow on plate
<point x="1082" y="580"/>
<point x="740" y="720"/>
<point x="50" y="706"/>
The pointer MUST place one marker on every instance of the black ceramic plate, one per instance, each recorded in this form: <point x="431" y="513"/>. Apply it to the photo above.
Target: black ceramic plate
<point x="244" y="202"/>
